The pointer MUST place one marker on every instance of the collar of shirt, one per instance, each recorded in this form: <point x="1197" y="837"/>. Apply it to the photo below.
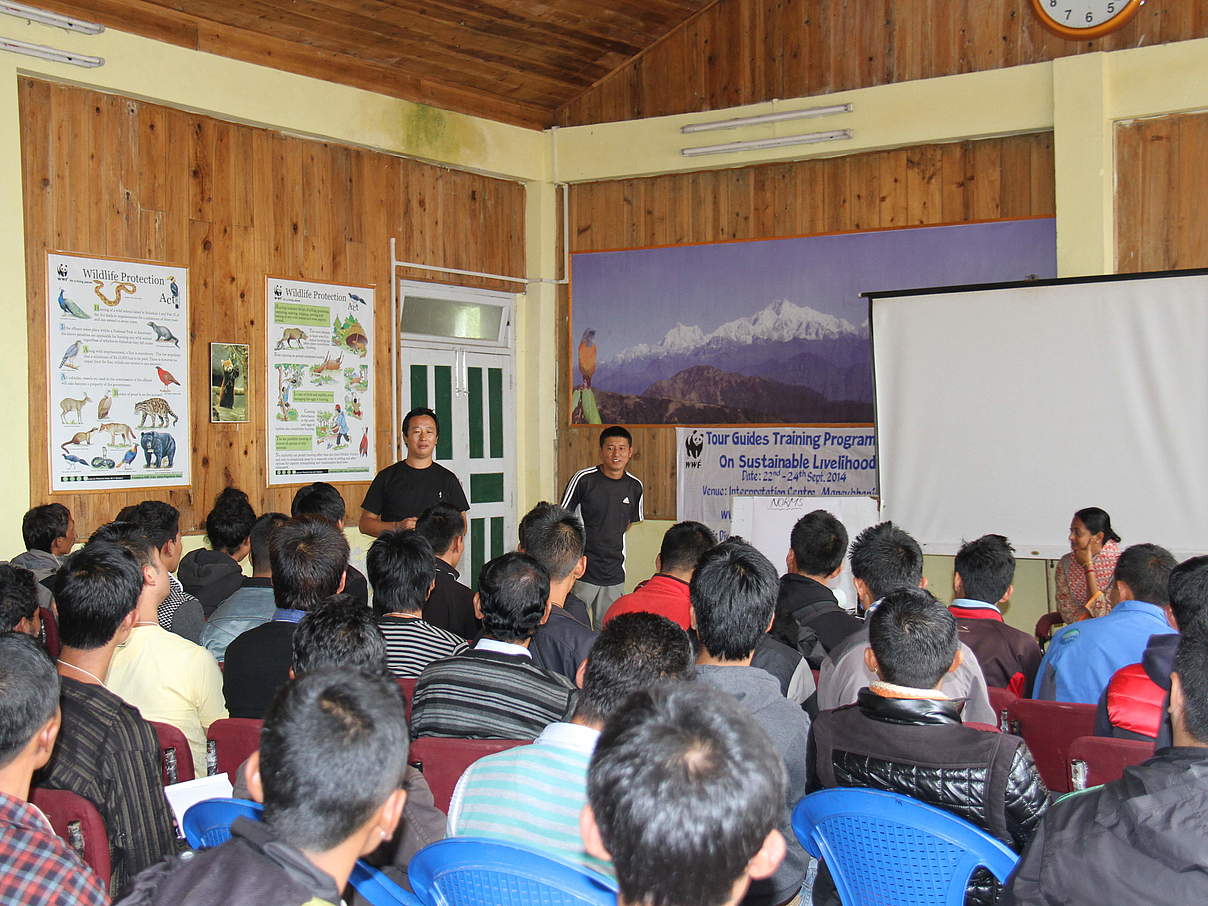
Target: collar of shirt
<point x="570" y="736"/>
<point x="988" y="611"/>
<point x="443" y="567"/>
<point x="1145" y="607"/>
<point x="281" y="615"/>
<point x="20" y="813"/>
<point x="502" y="647"/>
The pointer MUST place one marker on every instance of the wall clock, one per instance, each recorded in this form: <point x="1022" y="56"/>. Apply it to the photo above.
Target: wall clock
<point x="1082" y="20"/>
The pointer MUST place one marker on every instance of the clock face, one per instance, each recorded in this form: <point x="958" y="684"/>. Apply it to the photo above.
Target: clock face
<point x="1082" y="19"/>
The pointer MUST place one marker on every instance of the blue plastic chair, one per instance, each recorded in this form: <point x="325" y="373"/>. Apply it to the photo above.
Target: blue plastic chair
<point x="883" y="848"/>
<point x="472" y="871"/>
<point x="208" y="824"/>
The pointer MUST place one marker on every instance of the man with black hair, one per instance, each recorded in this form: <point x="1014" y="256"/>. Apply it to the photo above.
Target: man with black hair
<point x="904" y="735"/>
<point x="981" y="583"/>
<point x="19" y="601"/>
<point x="252" y="605"/>
<point x="451" y="604"/>
<point x="1139" y="839"/>
<point x="322" y="499"/>
<point x="608" y="499"/>
<point x="666" y="592"/>
<point x="214" y="575"/>
<point x="37" y="867"/>
<point x="401" y="568"/>
<point x="49" y="534"/>
<point x="308" y="558"/>
<point x="179" y="612"/>
<point x="733" y="602"/>
<point x="553" y="536"/>
<point x="884" y="558"/>
<point x="1082" y="657"/>
<point x="808" y="615"/>
<point x="329" y="771"/>
<point x="495" y="691"/>
<point x="399" y="493"/>
<point x="534" y="794"/>
<point x="106" y="751"/>
<point x="685" y="793"/>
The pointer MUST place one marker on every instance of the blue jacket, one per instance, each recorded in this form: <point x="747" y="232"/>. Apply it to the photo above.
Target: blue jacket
<point x="1082" y="657"/>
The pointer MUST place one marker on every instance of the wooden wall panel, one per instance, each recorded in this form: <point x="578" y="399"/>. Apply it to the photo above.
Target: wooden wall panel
<point x="1009" y="177"/>
<point x="747" y="51"/>
<point x="110" y="176"/>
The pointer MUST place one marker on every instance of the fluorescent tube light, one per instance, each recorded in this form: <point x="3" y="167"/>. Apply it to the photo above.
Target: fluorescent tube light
<point x="50" y="53"/>
<point x="33" y="14"/>
<point x="767" y="118"/>
<point x="758" y="144"/>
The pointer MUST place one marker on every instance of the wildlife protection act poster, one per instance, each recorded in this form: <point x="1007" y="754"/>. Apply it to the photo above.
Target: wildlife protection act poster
<point x="320" y="381"/>
<point x="117" y="363"/>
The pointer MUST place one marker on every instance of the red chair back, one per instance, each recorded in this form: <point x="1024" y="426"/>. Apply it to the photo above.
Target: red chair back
<point x="408" y="687"/>
<point x="1000" y="701"/>
<point x="1049" y="728"/>
<point x="77" y="821"/>
<point x="50" y="632"/>
<point x="1045" y="626"/>
<point x="175" y="756"/>
<point x="443" y="761"/>
<point x="234" y="739"/>
<point x="1104" y="759"/>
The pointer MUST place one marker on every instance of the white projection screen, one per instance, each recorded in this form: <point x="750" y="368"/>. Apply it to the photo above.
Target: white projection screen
<point x="1006" y="408"/>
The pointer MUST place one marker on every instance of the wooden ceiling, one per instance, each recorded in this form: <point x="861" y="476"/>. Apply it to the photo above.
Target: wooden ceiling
<point x="517" y="61"/>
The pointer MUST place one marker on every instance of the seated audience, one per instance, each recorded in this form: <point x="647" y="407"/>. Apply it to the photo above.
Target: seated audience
<point x="982" y="581"/>
<point x="904" y="735"/>
<point x="495" y="691"/>
<point x="808" y="615"/>
<point x="214" y="575"/>
<point x="106" y="751"/>
<point x="169" y="679"/>
<point x="533" y="794"/>
<point x="1139" y="839"/>
<point x="37" y="867"/>
<point x="1082" y="658"/>
<point x="553" y="536"/>
<point x="308" y="558"/>
<point x="179" y="612"/>
<point x="733" y="603"/>
<point x="451" y="604"/>
<point x="322" y="499"/>
<point x="400" y="567"/>
<point x="19" y="611"/>
<point x="252" y="605"/>
<point x="685" y="794"/>
<point x="329" y="772"/>
<point x="1136" y="702"/>
<point x="666" y="592"/>
<point x="883" y="559"/>
<point x="49" y="534"/>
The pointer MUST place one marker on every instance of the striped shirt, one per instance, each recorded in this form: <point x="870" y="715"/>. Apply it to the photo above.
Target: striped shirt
<point x="489" y="694"/>
<point x="412" y="644"/>
<point x="531" y="794"/>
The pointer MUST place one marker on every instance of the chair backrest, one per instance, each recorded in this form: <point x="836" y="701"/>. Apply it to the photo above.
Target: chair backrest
<point x="208" y="823"/>
<point x="234" y="739"/>
<point x="77" y="821"/>
<point x="1044" y="628"/>
<point x="50" y="632"/>
<point x="377" y="889"/>
<point x="175" y="755"/>
<point x="1096" y="760"/>
<point x="472" y="871"/>
<point x="1000" y="701"/>
<point x="886" y="848"/>
<point x="408" y="687"/>
<point x="443" y="760"/>
<point x="1048" y="728"/>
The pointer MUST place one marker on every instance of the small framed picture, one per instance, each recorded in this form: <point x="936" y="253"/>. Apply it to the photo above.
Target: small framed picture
<point x="229" y="382"/>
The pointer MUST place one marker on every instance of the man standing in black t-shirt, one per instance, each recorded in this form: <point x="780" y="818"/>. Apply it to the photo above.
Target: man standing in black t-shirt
<point x="608" y="499"/>
<point x="402" y="491"/>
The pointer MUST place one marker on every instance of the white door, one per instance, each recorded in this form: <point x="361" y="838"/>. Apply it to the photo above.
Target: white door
<point x="472" y="395"/>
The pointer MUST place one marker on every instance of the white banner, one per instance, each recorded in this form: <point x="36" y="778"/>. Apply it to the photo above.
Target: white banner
<point x="716" y="464"/>
<point x="117" y="364"/>
<point x="320" y="380"/>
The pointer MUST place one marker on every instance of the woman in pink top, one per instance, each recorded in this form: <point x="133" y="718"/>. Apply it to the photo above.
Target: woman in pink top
<point x="1085" y="573"/>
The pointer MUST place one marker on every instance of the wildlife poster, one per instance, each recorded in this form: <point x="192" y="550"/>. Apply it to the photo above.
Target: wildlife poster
<point x="228" y="382"/>
<point x="117" y="362"/>
<point x="320" y="381"/>
<point x="764" y="332"/>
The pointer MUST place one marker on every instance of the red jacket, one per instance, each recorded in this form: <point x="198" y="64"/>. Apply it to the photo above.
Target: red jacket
<point x="662" y="594"/>
<point x="1135" y="702"/>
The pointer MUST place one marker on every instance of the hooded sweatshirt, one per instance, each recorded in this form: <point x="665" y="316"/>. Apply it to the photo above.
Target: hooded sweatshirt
<point x="210" y="576"/>
<point x="43" y="565"/>
<point x="788" y="726"/>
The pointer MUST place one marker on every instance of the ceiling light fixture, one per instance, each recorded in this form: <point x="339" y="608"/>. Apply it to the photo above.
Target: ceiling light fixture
<point x="758" y="144"/>
<point x="767" y="118"/>
<point x="46" y="17"/>
<point x="50" y="53"/>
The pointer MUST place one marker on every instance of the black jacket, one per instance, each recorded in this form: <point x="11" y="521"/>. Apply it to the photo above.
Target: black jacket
<point x="809" y="618"/>
<point x="451" y="604"/>
<point x="1139" y="839"/>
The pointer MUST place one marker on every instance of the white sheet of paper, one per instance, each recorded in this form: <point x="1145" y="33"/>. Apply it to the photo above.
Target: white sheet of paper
<point x="183" y="795"/>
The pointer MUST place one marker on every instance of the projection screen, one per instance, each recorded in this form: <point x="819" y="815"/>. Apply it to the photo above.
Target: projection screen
<point x="1006" y="408"/>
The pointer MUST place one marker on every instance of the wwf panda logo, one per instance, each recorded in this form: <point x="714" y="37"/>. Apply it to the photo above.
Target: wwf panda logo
<point x="62" y="270"/>
<point x="277" y="291"/>
<point x="694" y="446"/>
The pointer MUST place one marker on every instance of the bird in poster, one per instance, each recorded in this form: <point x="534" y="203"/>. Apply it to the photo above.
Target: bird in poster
<point x="365" y="443"/>
<point x="166" y="377"/>
<point x="355" y="298"/>
<point x="103" y="407"/>
<point x="587" y="356"/>
<point x="175" y="290"/>
<point x="69" y="356"/>
<point x="70" y="307"/>
<point x="129" y="457"/>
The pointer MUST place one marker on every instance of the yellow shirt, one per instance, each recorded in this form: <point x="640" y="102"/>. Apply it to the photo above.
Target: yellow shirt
<point x="171" y="681"/>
